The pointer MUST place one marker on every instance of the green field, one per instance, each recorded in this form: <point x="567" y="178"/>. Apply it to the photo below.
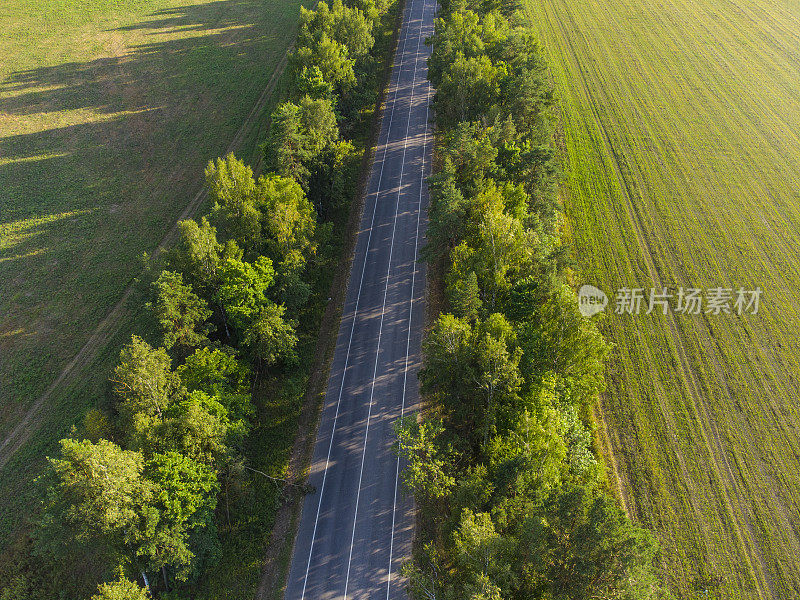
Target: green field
<point x="109" y="111"/>
<point x="681" y="136"/>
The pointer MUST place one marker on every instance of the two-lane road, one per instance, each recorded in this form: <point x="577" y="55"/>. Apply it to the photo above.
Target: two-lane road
<point x="356" y="530"/>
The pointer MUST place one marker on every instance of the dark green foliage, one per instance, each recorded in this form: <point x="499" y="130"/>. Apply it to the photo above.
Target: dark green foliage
<point x="580" y="545"/>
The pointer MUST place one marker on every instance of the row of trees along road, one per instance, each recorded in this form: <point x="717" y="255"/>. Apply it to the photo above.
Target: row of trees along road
<point x="513" y="502"/>
<point x="135" y="497"/>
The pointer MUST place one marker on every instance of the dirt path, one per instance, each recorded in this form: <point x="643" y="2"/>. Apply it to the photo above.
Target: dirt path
<point x="29" y="423"/>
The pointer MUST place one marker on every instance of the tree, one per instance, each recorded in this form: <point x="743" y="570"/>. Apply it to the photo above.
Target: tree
<point x="179" y="311"/>
<point x="93" y="498"/>
<point x="473" y="372"/>
<point x="146" y="386"/>
<point x="311" y="83"/>
<point x="99" y="486"/>
<point x="447" y="364"/>
<point x="427" y="474"/>
<point x="197" y="427"/>
<point x="232" y="188"/>
<point x="463" y="294"/>
<point x="482" y="557"/>
<point x="271" y="338"/>
<point x="184" y="498"/>
<point x="243" y="289"/>
<point x="196" y="255"/>
<point x="469" y="90"/>
<point x="503" y="247"/>
<point x="581" y="546"/>
<point x="448" y="212"/>
<point x="289" y="220"/>
<point x="318" y="121"/>
<point x="298" y="136"/>
<point x="425" y="574"/>
<point x="290" y="223"/>
<point x="219" y="373"/>
<point x="121" y="589"/>
<point x="558" y="339"/>
<point x="346" y="25"/>
<point x="529" y="460"/>
<point x="331" y="58"/>
<point x="286" y="151"/>
<point x="496" y="372"/>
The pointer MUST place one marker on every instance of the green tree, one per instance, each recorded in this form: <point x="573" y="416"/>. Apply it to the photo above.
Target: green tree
<point x="473" y="372"/>
<point x="184" y="498"/>
<point x="219" y="373"/>
<point x="145" y="386"/>
<point x="290" y="223"/>
<point x="93" y="499"/>
<point x="463" y="294"/>
<point x="289" y="218"/>
<point x="197" y="254"/>
<point x="448" y="212"/>
<point x="121" y="589"/>
<point x="96" y="487"/>
<point x="583" y="546"/>
<point x="427" y="474"/>
<point x="232" y="188"/>
<point x="299" y="134"/>
<point x="425" y="574"/>
<point x="271" y="337"/>
<point x="348" y="26"/>
<point x="496" y="372"/>
<point x="331" y="58"/>
<point x="179" y="312"/>
<point x="243" y="289"/>
<point x="482" y="556"/>
<point x="469" y="90"/>
<point x="198" y="427"/>
<point x="558" y="339"/>
<point x="311" y="83"/>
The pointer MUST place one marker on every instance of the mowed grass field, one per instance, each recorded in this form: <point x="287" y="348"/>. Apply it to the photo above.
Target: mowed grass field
<point x="682" y="159"/>
<point x="109" y="111"/>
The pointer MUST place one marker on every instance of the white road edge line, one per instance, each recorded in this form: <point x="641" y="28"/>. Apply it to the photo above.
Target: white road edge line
<point x="355" y="311"/>
<point x="408" y="339"/>
<point x="385" y="294"/>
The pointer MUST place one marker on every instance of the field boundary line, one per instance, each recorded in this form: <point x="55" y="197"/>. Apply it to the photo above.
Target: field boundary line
<point x="23" y="430"/>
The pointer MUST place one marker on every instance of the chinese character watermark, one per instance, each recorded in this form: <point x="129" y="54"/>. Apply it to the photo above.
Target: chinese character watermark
<point x="681" y="301"/>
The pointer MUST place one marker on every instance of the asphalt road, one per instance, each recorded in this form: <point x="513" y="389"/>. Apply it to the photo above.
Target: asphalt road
<point x="356" y="529"/>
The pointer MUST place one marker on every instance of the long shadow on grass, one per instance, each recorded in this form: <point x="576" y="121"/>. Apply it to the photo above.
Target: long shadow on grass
<point x="120" y="154"/>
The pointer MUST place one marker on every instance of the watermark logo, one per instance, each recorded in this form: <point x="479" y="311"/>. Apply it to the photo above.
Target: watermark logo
<point x="681" y="301"/>
<point x="591" y="300"/>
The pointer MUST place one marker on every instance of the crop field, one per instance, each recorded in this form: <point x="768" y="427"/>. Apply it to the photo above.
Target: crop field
<point x="681" y="123"/>
<point x="109" y="111"/>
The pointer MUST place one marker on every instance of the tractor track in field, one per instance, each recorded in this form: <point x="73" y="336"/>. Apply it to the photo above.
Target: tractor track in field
<point x="111" y="323"/>
<point x="728" y="482"/>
